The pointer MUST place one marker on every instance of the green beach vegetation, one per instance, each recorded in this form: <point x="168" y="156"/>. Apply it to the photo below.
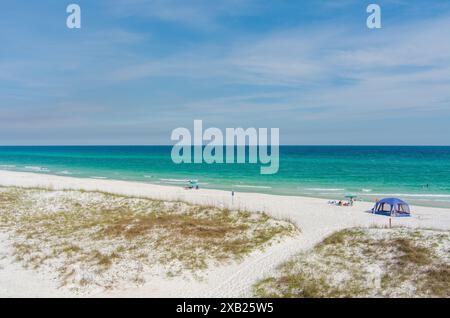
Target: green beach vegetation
<point x="375" y="262"/>
<point x="100" y="240"/>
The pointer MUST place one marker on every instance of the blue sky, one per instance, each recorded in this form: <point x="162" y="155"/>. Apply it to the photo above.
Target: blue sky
<point x="139" y="68"/>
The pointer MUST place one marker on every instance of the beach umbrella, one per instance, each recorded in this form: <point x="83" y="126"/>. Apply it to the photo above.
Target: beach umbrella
<point x="351" y="198"/>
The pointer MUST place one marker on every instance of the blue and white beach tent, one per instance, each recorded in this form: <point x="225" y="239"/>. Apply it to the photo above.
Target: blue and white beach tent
<point x="392" y="207"/>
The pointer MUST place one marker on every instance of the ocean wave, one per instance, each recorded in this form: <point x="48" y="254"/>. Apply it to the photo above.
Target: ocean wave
<point x="366" y="190"/>
<point x="174" y="180"/>
<point x="180" y="181"/>
<point x="65" y="172"/>
<point x="7" y="166"/>
<point x="324" y="189"/>
<point x="36" y="168"/>
<point x="410" y="195"/>
<point x="433" y="200"/>
<point x="95" y="177"/>
<point x="251" y="186"/>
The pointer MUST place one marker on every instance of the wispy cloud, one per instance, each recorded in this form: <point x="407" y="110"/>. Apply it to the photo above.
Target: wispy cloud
<point x="137" y="71"/>
<point x="389" y="70"/>
<point x="193" y="13"/>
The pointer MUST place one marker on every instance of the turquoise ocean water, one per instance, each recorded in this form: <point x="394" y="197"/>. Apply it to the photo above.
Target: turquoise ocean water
<point x="420" y="175"/>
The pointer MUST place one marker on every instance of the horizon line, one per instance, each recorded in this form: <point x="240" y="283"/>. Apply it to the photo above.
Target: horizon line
<point x="283" y="145"/>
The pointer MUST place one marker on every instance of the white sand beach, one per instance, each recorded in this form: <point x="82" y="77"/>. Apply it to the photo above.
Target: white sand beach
<point x="315" y="218"/>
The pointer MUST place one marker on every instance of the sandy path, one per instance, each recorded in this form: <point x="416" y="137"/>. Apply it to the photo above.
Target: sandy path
<point x="315" y="218"/>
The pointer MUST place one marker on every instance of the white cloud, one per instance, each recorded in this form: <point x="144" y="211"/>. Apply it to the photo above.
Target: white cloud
<point x="406" y="68"/>
<point x="195" y="13"/>
<point x="294" y="78"/>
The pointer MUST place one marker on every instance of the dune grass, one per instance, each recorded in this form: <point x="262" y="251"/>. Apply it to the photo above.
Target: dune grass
<point x="100" y="240"/>
<point x="376" y="262"/>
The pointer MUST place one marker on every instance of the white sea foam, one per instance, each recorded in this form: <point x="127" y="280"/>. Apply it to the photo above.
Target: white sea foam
<point x="366" y="190"/>
<point x="36" y="168"/>
<point x="251" y="186"/>
<point x="7" y="166"/>
<point x="324" y="189"/>
<point x="411" y="195"/>
<point x="95" y="177"/>
<point x="178" y="180"/>
<point x="433" y="200"/>
<point x="65" y="172"/>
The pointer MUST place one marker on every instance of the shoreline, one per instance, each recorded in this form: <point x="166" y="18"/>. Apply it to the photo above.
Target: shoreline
<point x="418" y="199"/>
<point x="315" y="218"/>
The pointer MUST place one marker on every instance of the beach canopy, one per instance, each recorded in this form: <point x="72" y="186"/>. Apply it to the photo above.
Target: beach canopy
<point x="392" y="207"/>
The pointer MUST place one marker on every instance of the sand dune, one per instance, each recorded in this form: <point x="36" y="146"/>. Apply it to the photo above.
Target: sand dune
<point x="314" y="217"/>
